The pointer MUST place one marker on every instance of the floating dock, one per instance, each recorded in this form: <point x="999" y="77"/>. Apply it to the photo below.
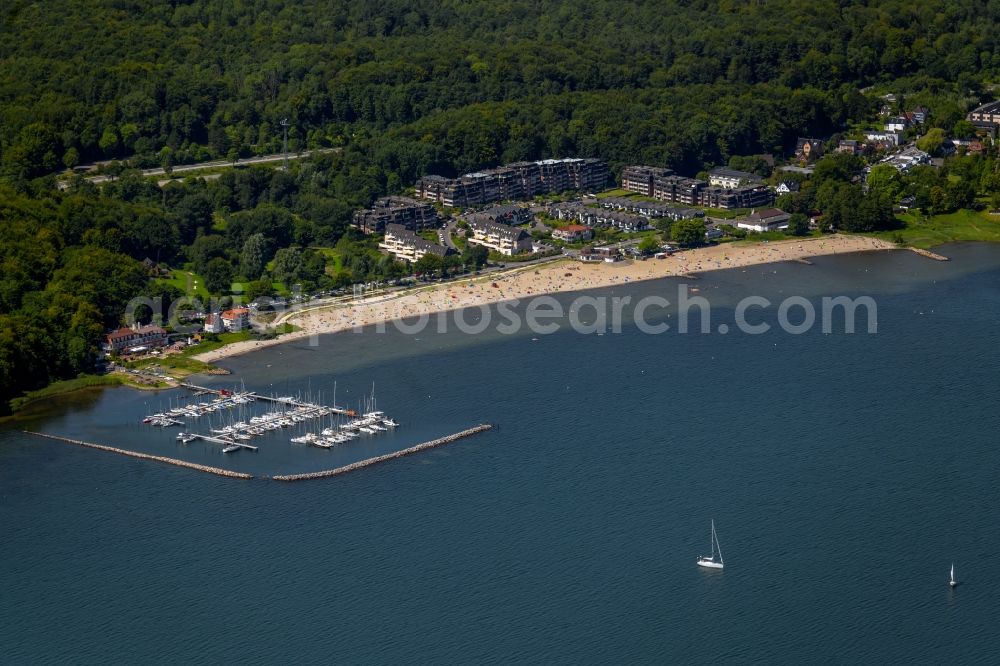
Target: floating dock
<point x="220" y="440"/>
<point x="483" y="427"/>
<point x="218" y="471"/>
<point x="291" y="402"/>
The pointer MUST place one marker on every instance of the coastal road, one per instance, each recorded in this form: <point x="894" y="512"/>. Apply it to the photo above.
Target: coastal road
<point x="215" y="164"/>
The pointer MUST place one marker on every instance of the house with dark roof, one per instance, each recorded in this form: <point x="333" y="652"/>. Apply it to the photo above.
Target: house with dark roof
<point x="650" y="209"/>
<point x="897" y="124"/>
<point x="849" y="146"/>
<point x="511" y="214"/>
<point x="598" y="217"/>
<point x="808" y="149"/>
<point x="987" y="113"/>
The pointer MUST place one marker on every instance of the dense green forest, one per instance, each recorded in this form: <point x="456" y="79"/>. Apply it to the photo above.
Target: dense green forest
<point x="404" y="89"/>
<point x="682" y="82"/>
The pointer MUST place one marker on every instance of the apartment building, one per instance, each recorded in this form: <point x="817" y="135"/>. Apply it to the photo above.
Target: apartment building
<point x="410" y="213"/>
<point x="640" y="179"/>
<point x="520" y="180"/>
<point x="405" y="245"/>
<point x="730" y="178"/>
<point x="502" y="238"/>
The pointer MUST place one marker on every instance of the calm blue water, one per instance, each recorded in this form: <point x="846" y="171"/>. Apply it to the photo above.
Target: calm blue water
<point x="844" y="472"/>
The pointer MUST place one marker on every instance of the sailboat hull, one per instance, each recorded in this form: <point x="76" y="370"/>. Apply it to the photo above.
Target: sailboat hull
<point x="710" y="564"/>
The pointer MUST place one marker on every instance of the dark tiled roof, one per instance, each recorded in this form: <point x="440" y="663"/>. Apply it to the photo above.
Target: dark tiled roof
<point x="415" y="241"/>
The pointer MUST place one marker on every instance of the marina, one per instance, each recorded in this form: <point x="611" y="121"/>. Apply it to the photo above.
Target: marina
<point x="282" y="412"/>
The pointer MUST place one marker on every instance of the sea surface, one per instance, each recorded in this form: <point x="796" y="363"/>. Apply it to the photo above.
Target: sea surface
<point x="845" y="473"/>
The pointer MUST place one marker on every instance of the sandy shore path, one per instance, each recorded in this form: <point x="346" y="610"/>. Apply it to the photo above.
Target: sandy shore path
<point x="560" y="276"/>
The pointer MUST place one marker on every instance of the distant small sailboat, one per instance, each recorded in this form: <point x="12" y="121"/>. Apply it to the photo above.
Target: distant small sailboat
<point x="714" y="561"/>
<point x="951" y="578"/>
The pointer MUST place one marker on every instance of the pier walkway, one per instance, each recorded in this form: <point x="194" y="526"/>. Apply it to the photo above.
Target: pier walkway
<point x="483" y="427"/>
<point x="203" y="390"/>
<point x="221" y="440"/>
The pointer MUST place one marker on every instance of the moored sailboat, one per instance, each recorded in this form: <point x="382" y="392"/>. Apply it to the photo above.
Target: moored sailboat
<point x="713" y="561"/>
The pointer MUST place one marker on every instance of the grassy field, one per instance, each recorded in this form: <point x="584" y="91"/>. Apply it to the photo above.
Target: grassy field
<point x="963" y="225"/>
<point x="63" y="387"/>
<point x="177" y="366"/>
<point x="334" y="261"/>
<point x="618" y="192"/>
<point x="210" y="345"/>
<point x="725" y="213"/>
<point x="190" y="283"/>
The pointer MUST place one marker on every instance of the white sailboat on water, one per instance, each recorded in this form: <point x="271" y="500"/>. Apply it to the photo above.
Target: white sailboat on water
<point x="951" y="577"/>
<point x="714" y="561"/>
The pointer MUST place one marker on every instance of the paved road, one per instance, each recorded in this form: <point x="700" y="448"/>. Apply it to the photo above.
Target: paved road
<point x="445" y="234"/>
<point x="182" y="168"/>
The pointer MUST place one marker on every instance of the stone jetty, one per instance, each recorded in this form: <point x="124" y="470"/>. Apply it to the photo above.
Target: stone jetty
<point x="483" y="427"/>
<point x="930" y="255"/>
<point x="218" y="471"/>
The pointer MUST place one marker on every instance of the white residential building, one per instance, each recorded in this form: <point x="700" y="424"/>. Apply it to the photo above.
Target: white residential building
<point x="897" y="124"/>
<point x="236" y="319"/>
<point x="885" y="139"/>
<point x="730" y="179"/>
<point x="498" y="237"/>
<point x="767" y="219"/>
<point x="573" y="232"/>
<point x="405" y="245"/>
<point x="213" y="324"/>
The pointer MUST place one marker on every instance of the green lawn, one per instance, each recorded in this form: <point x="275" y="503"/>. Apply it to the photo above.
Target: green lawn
<point x="725" y="213"/>
<point x="208" y="345"/>
<point x="177" y="366"/>
<point x="190" y="283"/>
<point x="619" y="192"/>
<point x="334" y="261"/>
<point x="963" y="225"/>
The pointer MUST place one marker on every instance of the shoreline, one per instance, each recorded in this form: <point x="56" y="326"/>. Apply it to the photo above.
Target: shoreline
<point x="536" y="280"/>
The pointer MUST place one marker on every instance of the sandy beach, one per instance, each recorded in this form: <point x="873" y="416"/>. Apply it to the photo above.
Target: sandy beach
<point x="560" y="276"/>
